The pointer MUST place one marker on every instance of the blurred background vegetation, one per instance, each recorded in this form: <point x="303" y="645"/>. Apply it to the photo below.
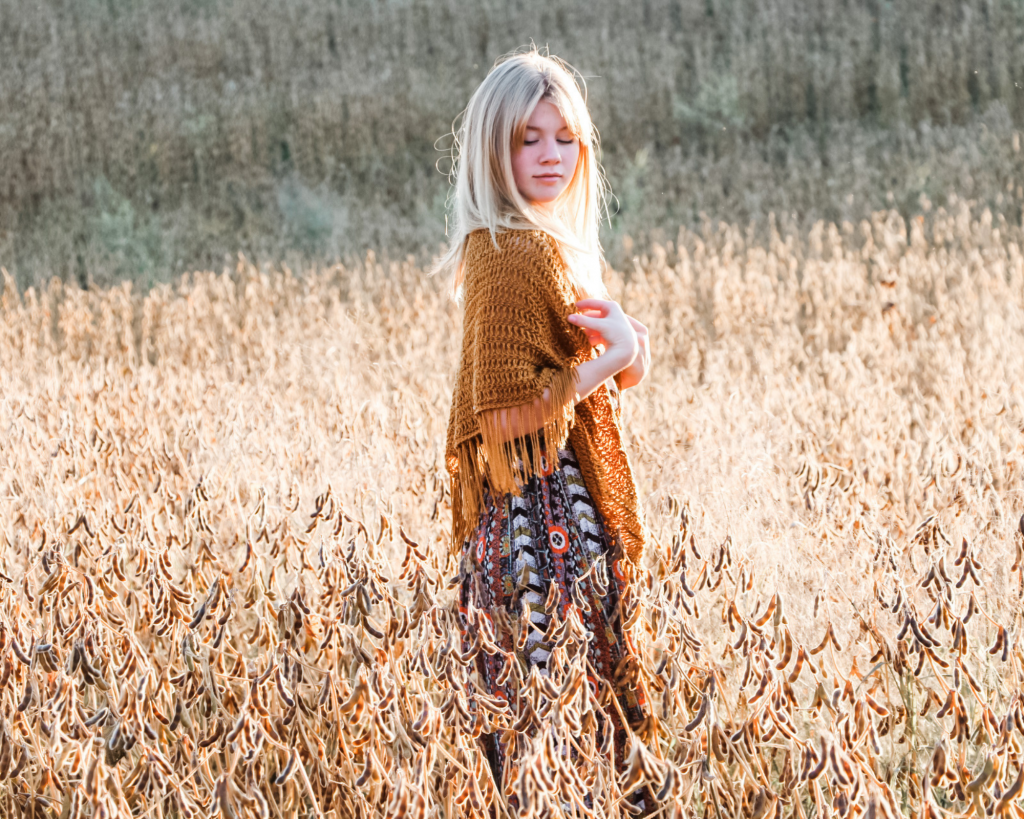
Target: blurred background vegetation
<point x="141" y="138"/>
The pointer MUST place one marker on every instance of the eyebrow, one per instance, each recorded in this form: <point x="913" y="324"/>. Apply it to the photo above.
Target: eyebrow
<point x="535" y="128"/>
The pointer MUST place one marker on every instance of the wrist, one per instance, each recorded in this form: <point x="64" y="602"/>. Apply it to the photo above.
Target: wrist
<point x="594" y="372"/>
<point x="616" y="360"/>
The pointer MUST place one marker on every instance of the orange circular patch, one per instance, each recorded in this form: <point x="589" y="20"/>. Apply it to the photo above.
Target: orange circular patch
<point x="559" y="540"/>
<point x="547" y="465"/>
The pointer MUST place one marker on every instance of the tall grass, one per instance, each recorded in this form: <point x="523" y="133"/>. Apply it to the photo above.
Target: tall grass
<point x="224" y="541"/>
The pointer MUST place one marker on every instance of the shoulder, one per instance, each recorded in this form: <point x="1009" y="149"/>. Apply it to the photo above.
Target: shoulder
<point x="525" y="253"/>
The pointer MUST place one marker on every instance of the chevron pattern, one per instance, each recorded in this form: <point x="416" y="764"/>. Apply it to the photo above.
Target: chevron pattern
<point x="514" y="563"/>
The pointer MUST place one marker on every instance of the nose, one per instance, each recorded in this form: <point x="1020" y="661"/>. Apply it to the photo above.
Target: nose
<point x="550" y="154"/>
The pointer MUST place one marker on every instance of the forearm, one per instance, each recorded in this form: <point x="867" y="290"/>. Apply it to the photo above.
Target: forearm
<point x="590" y="375"/>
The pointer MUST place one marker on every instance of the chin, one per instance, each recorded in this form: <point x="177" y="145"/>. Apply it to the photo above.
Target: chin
<point x="545" y="197"/>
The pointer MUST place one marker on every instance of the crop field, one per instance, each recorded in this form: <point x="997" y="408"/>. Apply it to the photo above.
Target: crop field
<point x="225" y="563"/>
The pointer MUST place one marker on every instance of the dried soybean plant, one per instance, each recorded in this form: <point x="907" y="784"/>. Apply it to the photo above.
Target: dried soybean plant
<point x="225" y="578"/>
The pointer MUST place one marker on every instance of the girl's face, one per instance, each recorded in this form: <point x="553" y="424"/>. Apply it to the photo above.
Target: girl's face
<point x="545" y="163"/>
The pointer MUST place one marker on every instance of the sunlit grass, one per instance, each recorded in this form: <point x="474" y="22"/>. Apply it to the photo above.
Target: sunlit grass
<point x="225" y="552"/>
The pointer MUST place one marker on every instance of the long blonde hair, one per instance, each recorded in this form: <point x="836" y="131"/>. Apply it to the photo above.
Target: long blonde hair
<point x="486" y="195"/>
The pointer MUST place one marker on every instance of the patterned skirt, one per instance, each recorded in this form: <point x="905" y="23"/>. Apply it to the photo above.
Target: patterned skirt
<point x="547" y="546"/>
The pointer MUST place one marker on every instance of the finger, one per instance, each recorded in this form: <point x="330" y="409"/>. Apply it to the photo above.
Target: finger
<point x="599" y="307"/>
<point x="588" y="322"/>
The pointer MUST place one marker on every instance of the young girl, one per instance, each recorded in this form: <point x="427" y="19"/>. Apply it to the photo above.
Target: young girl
<point x="544" y="500"/>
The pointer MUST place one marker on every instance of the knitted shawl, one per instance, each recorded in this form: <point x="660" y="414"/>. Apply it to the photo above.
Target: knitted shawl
<point x="518" y="342"/>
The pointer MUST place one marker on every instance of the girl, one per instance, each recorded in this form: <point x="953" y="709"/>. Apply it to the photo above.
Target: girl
<point x="543" y="496"/>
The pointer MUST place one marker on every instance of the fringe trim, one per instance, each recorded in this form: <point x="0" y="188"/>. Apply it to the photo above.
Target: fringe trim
<point x="505" y="465"/>
<point x="627" y="524"/>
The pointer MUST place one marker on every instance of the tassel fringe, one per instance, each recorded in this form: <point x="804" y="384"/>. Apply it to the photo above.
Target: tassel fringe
<point x="505" y="465"/>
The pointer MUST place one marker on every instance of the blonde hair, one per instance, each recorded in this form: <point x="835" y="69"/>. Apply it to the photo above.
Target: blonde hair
<point x="485" y="192"/>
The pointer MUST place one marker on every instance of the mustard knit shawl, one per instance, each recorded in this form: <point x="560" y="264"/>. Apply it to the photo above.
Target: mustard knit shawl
<point x="517" y="342"/>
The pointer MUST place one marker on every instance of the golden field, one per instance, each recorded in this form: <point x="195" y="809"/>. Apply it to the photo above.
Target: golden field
<point x="225" y="558"/>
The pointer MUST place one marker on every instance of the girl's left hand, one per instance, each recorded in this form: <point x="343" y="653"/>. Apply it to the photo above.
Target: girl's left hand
<point x="635" y="372"/>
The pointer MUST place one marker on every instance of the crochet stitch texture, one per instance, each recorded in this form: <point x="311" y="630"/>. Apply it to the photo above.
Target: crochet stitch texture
<point x="518" y="341"/>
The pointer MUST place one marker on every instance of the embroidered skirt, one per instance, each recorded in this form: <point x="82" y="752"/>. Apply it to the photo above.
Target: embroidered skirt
<point x="548" y="546"/>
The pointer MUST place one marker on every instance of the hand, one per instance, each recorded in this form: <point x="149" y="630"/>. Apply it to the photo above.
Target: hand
<point x="635" y="372"/>
<point x="606" y="325"/>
